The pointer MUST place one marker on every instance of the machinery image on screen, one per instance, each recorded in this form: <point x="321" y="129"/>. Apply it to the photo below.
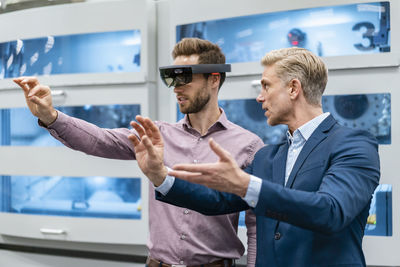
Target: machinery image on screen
<point x="327" y="31"/>
<point x="370" y="112"/>
<point x="100" y="197"/>
<point x="79" y="53"/>
<point x="20" y="128"/>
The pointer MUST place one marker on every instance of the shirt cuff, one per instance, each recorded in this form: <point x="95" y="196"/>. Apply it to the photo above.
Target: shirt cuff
<point x="166" y="185"/>
<point x="253" y="191"/>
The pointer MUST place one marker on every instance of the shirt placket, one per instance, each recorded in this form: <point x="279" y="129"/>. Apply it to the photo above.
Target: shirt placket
<point x="186" y="214"/>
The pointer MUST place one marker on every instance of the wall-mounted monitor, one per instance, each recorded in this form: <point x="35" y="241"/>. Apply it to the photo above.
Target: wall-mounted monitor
<point x="20" y="128"/>
<point x="370" y="112"/>
<point x="104" y="52"/>
<point x="340" y="30"/>
<point x="115" y="46"/>
<point x="90" y="197"/>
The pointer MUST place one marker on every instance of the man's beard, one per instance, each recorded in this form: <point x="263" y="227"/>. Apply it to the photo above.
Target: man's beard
<point x="200" y="100"/>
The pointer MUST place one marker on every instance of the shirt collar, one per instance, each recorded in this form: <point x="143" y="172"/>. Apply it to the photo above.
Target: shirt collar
<point x="221" y="123"/>
<point x="307" y="129"/>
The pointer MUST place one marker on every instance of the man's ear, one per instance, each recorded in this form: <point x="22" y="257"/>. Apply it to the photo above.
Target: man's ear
<point x="215" y="78"/>
<point x="295" y="89"/>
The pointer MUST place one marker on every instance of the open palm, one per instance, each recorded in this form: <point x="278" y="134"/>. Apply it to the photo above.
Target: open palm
<point x="149" y="149"/>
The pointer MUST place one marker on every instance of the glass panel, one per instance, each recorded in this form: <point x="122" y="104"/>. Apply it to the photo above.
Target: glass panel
<point x="79" y="53"/>
<point x="104" y="197"/>
<point x="380" y="214"/>
<point x="20" y="128"/>
<point x="326" y="31"/>
<point x="370" y="112"/>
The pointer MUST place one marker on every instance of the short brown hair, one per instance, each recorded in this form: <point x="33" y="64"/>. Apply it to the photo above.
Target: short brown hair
<point x="299" y="63"/>
<point x="208" y="52"/>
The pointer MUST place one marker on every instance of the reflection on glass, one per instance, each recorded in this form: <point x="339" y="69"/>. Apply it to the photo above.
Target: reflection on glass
<point x="370" y="112"/>
<point x="79" y="53"/>
<point x="326" y="31"/>
<point x="103" y="197"/>
<point x="20" y="128"/>
<point x="380" y="213"/>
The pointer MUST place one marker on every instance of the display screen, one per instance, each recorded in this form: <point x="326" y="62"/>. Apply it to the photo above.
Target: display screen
<point x="103" y="52"/>
<point x="327" y="31"/>
<point x="380" y="213"/>
<point x="370" y="112"/>
<point x="100" y="197"/>
<point x="20" y="128"/>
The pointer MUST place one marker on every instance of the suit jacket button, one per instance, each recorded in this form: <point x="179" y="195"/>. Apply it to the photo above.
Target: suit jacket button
<point x="277" y="236"/>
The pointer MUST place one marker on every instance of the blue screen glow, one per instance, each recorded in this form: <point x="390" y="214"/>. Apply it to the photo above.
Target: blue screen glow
<point x="20" y="128"/>
<point x="104" y="197"/>
<point x="326" y="31"/>
<point x="370" y="112"/>
<point x="79" y="53"/>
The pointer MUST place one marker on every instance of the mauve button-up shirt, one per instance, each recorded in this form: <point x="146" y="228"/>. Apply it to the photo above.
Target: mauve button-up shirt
<point x="177" y="235"/>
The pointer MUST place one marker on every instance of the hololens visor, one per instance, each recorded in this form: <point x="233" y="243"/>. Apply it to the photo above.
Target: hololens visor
<point x="178" y="75"/>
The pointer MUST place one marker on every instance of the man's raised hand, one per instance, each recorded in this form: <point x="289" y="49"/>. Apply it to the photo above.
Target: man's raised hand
<point x="38" y="98"/>
<point x="149" y="149"/>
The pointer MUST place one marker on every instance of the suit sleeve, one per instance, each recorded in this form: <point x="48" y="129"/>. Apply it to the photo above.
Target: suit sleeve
<point x="345" y="189"/>
<point x="202" y="199"/>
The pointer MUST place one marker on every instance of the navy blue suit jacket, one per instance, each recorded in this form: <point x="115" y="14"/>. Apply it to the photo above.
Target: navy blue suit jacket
<point x="318" y="218"/>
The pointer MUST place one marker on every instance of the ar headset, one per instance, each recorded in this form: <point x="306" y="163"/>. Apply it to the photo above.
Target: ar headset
<point x="178" y="75"/>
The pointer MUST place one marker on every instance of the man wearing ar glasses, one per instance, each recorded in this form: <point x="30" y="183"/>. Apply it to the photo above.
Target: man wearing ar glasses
<point x="177" y="236"/>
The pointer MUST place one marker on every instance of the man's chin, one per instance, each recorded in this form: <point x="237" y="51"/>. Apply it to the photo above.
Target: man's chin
<point x="271" y="122"/>
<point x="183" y="110"/>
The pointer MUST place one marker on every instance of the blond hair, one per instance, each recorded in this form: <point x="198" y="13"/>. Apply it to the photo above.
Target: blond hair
<point x="299" y="63"/>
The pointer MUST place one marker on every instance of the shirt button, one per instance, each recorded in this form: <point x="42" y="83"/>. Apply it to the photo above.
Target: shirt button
<point x="200" y="139"/>
<point x="181" y="262"/>
<point x="186" y="211"/>
<point x="277" y="236"/>
<point x="195" y="161"/>
<point x="183" y="236"/>
<point x="253" y="203"/>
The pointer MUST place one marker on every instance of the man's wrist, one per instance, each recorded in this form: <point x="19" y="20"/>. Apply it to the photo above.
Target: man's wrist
<point x="253" y="191"/>
<point x="244" y="185"/>
<point x="159" y="179"/>
<point x="50" y="119"/>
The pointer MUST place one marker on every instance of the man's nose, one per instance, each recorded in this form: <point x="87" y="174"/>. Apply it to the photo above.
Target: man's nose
<point x="178" y="89"/>
<point x="260" y="98"/>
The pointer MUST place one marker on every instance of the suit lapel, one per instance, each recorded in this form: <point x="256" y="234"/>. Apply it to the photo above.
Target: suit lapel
<point x="279" y="165"/>
<point x="318" y="135"/>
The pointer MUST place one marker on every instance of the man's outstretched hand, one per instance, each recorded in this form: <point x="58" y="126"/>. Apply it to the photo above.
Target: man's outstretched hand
<point x="149" y="149"/>
<point x="224" y="175"/>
